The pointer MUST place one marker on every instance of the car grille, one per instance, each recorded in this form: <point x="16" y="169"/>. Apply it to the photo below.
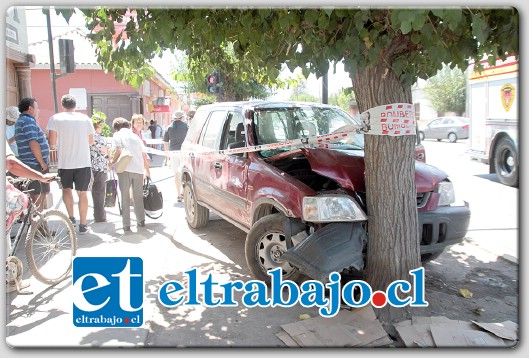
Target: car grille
<point x="422" y="199"/>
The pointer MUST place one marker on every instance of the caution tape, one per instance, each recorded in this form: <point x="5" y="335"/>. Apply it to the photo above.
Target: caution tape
<point x="395" y="119"/>
<point x="321" y="141"/>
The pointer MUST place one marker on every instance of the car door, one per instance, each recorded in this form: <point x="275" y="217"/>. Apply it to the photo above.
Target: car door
<point x="230" y="171"/>
<point x="434" y="129"/>
<point x="448" y="126"/>
<point x="204" y="163"/>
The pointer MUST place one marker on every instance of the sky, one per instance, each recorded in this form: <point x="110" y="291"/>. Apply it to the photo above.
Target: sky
<point x="37" y="31"/>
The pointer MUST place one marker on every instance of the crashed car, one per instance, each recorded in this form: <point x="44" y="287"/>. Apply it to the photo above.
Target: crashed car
<point x="302" y="206"/>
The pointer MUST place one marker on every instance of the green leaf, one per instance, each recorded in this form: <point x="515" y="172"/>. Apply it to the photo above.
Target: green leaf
<point x="418" y="21"/>
<point x="323" y="22"/>
<point x="311" y="16"/>
<point x="284" y="23"/>
<point x="479" y="28"/>
<point x="415" y="38"/>
<point x="405" y="27"/>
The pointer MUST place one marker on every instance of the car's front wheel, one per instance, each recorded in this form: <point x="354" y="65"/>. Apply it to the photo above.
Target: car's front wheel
<point x="265" y="244"/>
<point x="421" y="136"/>
<point x="197" y="216"/>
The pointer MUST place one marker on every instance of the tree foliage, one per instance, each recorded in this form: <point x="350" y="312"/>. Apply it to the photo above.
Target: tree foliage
<point x="341" y="99"/>
<point x="413" y="42"/>
<point x="100" y="118"/>
<point x="446" y="91"/>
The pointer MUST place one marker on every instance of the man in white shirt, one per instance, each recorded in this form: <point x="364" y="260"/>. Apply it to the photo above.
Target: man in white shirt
<point x="72" y="133"/>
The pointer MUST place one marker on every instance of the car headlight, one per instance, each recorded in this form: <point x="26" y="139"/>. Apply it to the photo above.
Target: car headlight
<point x="331" y="209"/>
<point x="446" y="192"/>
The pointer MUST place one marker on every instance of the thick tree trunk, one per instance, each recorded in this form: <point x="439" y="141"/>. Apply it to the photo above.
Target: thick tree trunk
<point x="393" y="246"/>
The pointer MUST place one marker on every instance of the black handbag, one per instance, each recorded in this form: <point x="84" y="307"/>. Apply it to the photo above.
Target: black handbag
<point x="152" y="200"/>
<point x="111" y="193"/>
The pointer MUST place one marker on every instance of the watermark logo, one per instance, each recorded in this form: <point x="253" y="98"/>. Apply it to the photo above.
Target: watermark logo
<point x="108" y="291"/>
<point x="329" y="297"/>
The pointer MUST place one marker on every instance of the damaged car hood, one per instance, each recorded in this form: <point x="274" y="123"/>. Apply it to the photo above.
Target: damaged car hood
<point x="347" y="168"/>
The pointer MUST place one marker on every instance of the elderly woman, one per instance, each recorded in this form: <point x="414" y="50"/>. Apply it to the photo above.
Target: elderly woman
<point x="132" y="177"/>
<point x="137" y="126"/>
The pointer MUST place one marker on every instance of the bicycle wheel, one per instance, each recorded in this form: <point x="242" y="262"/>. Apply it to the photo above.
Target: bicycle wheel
<point x="51" y="245"/>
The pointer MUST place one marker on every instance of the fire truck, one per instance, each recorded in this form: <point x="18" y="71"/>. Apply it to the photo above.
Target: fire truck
<point x="492" y="106"/>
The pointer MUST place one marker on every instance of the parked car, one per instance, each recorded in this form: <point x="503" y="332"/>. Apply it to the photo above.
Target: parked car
<point x="451" y="128"/>
<point x="296" y="202"/>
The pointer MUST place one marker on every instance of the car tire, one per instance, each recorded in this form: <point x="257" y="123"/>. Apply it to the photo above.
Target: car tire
<point x="197" y="216"/>
<point x="452" y="137"/>
<point x="421" y="136"/>
<point x="506" y="162"/>
<point x="264" y="245"/>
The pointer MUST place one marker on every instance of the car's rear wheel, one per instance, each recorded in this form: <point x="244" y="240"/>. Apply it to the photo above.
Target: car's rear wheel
<point x="265" y="244"/>
<point x="452" y="137"/>
<point x="197" y="216"/>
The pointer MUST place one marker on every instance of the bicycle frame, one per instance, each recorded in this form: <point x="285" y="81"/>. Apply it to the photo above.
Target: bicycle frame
<point x="27" y="214"/>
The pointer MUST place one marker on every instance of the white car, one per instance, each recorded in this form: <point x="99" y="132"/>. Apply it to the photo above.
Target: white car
<point x="451" y="128"/>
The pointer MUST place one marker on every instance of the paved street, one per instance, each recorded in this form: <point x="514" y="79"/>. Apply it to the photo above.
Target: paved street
<point x="168" y="248"/>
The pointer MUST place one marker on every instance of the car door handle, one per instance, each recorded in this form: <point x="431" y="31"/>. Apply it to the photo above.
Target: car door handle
<point x="217" y="165"/>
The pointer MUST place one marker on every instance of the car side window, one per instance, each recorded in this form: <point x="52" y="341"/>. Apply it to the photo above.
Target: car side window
<point x="233" y="135"/>
<point x="448" y="121"/>
<point x="211" y="135"/>
<point x="436" y="122"/>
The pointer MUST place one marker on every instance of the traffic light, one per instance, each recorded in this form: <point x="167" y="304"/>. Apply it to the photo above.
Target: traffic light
<point x="211" y="82"/>
<point x="214" y="82"/>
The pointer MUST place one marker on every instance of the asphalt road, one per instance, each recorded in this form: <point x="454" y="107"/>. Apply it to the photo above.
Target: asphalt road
<point x="494" y="224"/>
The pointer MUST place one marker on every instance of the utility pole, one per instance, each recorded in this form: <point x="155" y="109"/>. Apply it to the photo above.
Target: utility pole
<point x="325" y="88"/>
<point x="52" y="61"/>
<point x="66" y="59"/>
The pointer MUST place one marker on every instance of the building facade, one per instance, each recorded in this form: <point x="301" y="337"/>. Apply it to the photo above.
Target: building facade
<point x="94" y="89"/>
<point x="18" y="59"/>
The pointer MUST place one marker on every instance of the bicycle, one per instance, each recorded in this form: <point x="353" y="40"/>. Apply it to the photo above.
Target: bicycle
<point x="50" y="243"/>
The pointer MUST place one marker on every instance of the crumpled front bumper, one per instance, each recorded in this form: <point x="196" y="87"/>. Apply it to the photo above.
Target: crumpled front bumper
<point x="330" y="249"/>
<point x="340" y="245"/>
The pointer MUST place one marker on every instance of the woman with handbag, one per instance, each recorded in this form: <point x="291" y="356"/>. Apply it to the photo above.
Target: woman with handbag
<point x="131" y="163"/>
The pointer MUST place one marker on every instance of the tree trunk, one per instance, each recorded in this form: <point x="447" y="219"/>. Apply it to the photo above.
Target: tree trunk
<point x="393" y="245"/>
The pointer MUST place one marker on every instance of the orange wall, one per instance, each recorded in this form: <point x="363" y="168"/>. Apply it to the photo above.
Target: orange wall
<point x="95" y="81"/>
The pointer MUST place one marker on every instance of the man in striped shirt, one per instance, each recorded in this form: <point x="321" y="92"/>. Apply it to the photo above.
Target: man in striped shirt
<point x="33" y="148"/>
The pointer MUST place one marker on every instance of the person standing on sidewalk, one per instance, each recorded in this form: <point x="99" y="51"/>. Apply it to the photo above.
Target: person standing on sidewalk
<point x="72" y="133"/>
<point x="33" y="147"/>
<point x="12" y="114"/>
<point x="172" y="140"/>
<point x="132" y="177"/>
<point x="99" y="157"/>
<point x="137" y="121"/>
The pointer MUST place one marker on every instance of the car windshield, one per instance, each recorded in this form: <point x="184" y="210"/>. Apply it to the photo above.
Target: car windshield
<point x="276" y="125"/>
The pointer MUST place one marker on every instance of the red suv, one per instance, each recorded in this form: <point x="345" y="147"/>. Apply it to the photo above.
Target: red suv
<point x="303" y="207"/>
